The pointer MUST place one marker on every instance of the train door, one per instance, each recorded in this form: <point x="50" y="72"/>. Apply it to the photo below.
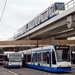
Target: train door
<point x="24" y="61"/>
<point x="34" y="59"/>
<point x="47" y="59"/>
<point x="39" y="58"/>
<point x="53" y="59"/>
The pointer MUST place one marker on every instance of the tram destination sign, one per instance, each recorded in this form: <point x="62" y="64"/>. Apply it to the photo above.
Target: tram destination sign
<point x="63" y="47"/>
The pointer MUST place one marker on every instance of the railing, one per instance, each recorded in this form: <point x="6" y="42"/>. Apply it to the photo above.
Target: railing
<point x="69" y="4"/>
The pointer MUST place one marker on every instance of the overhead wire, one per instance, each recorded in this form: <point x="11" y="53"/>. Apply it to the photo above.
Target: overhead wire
<point x="3" y="10"/>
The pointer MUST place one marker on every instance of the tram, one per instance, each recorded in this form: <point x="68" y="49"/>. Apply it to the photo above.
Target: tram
<point x="53" y="58"/>
<point x="12" y="59"/>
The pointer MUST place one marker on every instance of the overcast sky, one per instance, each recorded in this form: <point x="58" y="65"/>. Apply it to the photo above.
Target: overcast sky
<point x="19" y="12"/>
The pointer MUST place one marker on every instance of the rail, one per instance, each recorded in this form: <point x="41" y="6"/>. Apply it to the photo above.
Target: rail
<point x="69" y="4"/>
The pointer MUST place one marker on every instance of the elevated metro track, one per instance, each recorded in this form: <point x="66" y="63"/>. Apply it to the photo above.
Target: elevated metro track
<point x="60" y="27"/>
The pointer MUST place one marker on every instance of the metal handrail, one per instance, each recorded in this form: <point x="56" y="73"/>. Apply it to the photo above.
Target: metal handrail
<point x="69" y="4"/>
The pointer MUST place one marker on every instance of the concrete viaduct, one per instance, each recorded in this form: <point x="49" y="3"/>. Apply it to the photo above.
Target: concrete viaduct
<point x="59" y="27"/>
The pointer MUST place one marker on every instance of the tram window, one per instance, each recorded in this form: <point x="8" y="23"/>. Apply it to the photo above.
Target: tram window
<point x="39" y="57"/>
<point x="28" y="58"/>
<point x="35" y="57"/>
<point x="66" y="55"/>
<point x="46" y="57"/>
<point x="53" y="58"/>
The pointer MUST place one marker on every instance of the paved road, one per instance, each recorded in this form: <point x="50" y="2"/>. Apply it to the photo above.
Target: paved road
<point x="28" y="71"/>
<point x="4" y="71"/>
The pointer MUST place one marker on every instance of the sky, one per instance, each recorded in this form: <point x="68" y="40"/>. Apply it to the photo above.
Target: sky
<point x="19" y="12"/>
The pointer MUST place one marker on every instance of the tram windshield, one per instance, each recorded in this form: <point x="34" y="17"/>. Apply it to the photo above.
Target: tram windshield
<point x="63" y="55"/>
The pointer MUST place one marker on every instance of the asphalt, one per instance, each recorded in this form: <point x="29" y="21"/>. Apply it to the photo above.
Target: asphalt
<point x="4" y="71"/>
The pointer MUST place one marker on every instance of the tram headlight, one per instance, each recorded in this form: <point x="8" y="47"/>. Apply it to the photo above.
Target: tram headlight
<point x="59" y="65"/>
<point x="69" y="65"/>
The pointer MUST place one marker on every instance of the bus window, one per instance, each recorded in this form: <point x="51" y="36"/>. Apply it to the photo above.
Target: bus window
<point x="53" y="58"/>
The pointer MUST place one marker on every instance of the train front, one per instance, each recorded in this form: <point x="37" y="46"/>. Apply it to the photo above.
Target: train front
<point x="63" y="58"/>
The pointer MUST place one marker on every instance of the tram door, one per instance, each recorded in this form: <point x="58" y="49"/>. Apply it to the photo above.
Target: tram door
<point x="53" y="59"/>
<point x="47" y="59"/>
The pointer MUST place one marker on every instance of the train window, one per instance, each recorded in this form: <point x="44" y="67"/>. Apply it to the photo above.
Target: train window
<point x="45" y="14"/>
<point x="28" y="57"/>
<point x="39" y="57"/>
<point x="46" y="57"/>
<point x="66" y="55"/>
<point x="59" y="7"/>
<point x="53" y="9"/>
<point x="50" y="11"/>
<point x="35" y="57"/>
<point x="53" y="58"/>
<point x="63" y="55"/>
<point x="27" y="26"/>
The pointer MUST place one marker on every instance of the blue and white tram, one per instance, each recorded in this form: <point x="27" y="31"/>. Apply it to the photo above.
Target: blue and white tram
<point x="12" y="59"/>
<point x="54" y="58"/>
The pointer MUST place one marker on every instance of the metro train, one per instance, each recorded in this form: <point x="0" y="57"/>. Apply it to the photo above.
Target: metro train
<point x="12" y="59"/>
<point x="53" y="58"/>
<point x="47" y="14"/>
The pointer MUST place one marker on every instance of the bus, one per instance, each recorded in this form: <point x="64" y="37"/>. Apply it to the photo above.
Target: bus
<point x="12" y="59"/>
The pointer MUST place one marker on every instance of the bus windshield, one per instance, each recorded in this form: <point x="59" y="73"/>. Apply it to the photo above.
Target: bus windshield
<point x="15" y="58"/>
<point x="63" y="55"/>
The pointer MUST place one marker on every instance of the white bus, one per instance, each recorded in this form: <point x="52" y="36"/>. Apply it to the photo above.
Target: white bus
<point x="12" y="59"/>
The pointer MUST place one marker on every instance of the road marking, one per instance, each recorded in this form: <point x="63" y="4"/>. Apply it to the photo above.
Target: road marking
<point x="10" y="71"/>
